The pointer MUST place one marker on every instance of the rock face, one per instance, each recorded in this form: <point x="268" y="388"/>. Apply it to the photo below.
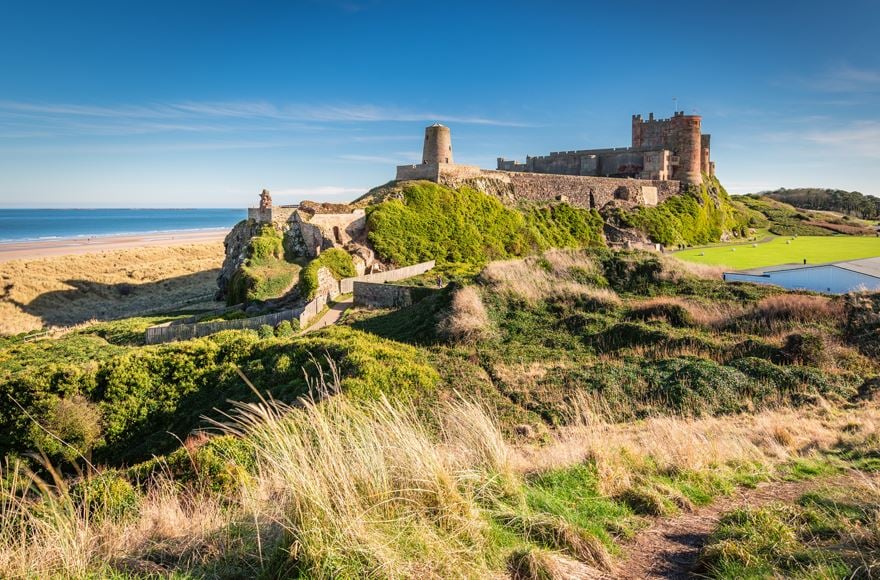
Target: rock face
<point x="236" y="244"/>
<point x="307" y="230"/>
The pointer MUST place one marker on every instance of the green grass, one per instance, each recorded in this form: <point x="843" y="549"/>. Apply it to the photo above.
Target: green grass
<point x="815" y="249"/>
<point x="823" y="535"/>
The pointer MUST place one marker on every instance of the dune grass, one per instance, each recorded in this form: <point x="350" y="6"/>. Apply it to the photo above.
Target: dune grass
<point x="785" y="250"/>
<point x="346" y="488"/>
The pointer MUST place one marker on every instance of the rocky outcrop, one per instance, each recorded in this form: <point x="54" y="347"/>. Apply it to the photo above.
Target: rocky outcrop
<point x="236" y="244"/>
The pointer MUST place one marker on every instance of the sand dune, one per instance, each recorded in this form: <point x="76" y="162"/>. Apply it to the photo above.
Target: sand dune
<point x="124" y="277"/>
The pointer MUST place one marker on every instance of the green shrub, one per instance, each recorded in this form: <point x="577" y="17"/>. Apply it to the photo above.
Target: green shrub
<point x="265" y="273"/>
<point x="148" y="397"/>
<point x="266" y="246"/>
<point x="70" y="430"/>
<point x="338" y="261"/>
<point x="287" y="328"/>
<point x="446" y="225"/>
<point x="106" y="495"/>
<point x="266" y="331"/>
<point x="565" y="226"/>
<point x="452" y="226"/>
<point x="804" y="349"/>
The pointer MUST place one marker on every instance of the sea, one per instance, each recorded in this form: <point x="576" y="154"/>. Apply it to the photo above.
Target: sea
<point x="17" y="225"/>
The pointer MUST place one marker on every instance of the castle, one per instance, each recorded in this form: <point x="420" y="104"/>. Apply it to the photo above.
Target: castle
<point x="664" y="149"/>
<point x="665" y="155"/>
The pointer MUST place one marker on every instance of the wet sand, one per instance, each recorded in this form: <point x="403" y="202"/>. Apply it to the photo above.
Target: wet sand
<point x="64" y="247"/>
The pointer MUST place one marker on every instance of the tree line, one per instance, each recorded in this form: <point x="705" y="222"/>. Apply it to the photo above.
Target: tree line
<point x="851" y="203"/>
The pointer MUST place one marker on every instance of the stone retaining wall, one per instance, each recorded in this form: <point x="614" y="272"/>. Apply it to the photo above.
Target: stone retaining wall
<point x="379" y="295"/>
<point x="172" y="332"/>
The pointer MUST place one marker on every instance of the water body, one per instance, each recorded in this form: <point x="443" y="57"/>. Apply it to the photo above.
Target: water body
<point x="50" y="224"/>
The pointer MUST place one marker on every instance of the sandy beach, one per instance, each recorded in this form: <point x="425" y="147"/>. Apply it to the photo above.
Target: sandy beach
<point x="63" y="247"/>
<point x="55" y="283"/>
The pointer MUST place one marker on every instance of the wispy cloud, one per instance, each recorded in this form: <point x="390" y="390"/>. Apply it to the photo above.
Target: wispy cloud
<point x="845" y="78"/>
<point x="318" y="192"/>
<point x="397" y="158"/>
<point x="213" y="117"/>
<point x="857" y="138"/>
<point x="860" y="137"/>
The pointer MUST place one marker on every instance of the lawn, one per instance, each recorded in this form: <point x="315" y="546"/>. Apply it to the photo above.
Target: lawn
<point x="786" y="250"/>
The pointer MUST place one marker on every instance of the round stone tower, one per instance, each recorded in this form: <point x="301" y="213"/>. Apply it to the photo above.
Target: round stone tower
<point x="687" y="132"/>
<point x="438" y="145"/>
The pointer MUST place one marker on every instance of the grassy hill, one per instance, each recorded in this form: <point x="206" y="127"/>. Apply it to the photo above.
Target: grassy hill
<point x="486" y="428"/>
<point x="524" y="421"/>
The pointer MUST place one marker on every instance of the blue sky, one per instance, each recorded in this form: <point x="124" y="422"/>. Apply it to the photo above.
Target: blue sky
<point x="202" y="104"/>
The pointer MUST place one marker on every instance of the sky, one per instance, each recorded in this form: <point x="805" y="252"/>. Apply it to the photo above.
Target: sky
<point x="203" y="104"/>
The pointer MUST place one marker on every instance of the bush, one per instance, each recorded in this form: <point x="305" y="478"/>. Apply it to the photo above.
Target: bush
<point x="106" y="495"/>
<point x="265" y="246"/>
<point x="74" y="428"/>
<point x="265" y="331"/>
<point x="148" y="397"/>
<point x="804" y="349"/>
<point x="565" y="226"/>
<point x="265" y="274"/>
<point x="287" y="328"/>
<point x="466" y="321"/>
<point x="699" y="216"/>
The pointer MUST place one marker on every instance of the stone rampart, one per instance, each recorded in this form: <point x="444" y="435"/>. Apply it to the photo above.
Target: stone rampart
<point x="378" y="295"/>
<point x="579" y="190"/>
<point x="433" y="171"/>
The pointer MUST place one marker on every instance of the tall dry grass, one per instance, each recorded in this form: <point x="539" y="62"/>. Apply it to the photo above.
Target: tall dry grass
<point x="360" y="485"/>
<point x="674" y="444"/>
<point x="346" y="489"/>
<point x="467" y="321"/>
<point x="783" y="311"/>
<point x="555" y="274"/>
<point x="67" y="290"/>
<point x="675" y="269"/>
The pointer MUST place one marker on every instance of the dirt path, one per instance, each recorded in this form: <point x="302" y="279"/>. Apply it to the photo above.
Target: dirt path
<point x="333" y="314"/>
<point x="670" y="547"/>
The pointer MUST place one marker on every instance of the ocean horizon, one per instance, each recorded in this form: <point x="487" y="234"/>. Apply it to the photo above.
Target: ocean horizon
<point x="23" y="225"/>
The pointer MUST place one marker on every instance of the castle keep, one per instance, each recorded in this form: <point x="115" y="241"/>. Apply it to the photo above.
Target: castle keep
<point x="664" y="149"/>
<point x="665" y="154"/>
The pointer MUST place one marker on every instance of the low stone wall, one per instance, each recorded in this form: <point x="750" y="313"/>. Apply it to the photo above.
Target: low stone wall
<point x="313" y="308"/>
<point x="172" y="332"/>
<point x="435" y="171"/>
<point x="346" y="285"/>
<point x="379" y="295"/>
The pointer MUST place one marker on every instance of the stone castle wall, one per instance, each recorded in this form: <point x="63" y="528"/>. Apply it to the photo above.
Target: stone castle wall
<point x="433" y="171"/>
<point x="579" y="190"/>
